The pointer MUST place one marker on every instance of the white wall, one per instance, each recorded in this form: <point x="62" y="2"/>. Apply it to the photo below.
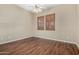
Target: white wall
<point x="65" y="24"/>
<point x="15" y="23"/>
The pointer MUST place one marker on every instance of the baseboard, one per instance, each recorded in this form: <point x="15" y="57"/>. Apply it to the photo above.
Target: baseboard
<point x="15" y="40"/>
<point x="39" y="37"/>
<point x="58" y="40"/>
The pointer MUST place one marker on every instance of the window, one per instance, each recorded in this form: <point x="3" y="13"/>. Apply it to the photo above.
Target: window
<point x="47" y="22"/>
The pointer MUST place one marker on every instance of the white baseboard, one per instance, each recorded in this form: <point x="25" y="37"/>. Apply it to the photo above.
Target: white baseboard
<point x="58" y="40"/>
<point x="20" y="38"/>
<point x="40" y="37"/>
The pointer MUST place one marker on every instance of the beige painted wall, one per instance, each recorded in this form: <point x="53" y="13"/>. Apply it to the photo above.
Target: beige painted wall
<point x="78" y="23"/>
<point x="65" y="24"/>
<point x="15" y="23"/>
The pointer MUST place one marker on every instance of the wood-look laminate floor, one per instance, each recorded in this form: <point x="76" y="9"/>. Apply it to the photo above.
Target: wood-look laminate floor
<point x="38" y="46"/>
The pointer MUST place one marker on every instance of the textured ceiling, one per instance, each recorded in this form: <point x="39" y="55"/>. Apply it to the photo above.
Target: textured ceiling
<point x="29" y="7"/>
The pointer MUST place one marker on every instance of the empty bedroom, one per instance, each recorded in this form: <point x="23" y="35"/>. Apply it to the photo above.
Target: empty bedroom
<point x="39" y="29"/>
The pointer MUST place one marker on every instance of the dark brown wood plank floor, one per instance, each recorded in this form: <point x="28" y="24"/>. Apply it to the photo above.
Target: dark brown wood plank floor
<point x="38" y="46"/>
